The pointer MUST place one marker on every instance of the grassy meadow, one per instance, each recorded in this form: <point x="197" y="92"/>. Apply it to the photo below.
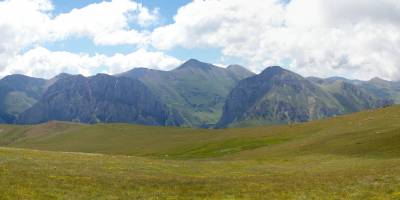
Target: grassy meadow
<point x="348" y="157"/>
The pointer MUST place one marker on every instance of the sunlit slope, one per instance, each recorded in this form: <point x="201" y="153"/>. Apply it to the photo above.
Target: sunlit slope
<point x="28" y="174"/>
<point x="348" y="157"/>
<point x="374" y="133"/>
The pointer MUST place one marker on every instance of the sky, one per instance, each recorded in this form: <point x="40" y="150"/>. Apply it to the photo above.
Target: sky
<point x="357" y="39"/>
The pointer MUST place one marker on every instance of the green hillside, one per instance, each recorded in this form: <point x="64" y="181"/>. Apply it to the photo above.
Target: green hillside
<point x="197" y="90"/>
<point x="347" y="157"/>
<point x="368" y="133"/>
<point x="17" y="94"/>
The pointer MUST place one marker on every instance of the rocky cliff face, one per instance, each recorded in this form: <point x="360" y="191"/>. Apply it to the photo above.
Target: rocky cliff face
<point x="195" y="94"/>
<point x="280" y="96"/>
<point x="352" y="97"/>
<point x="101" y="98"/>
<point x="196" y="89"/>
<point x="276" y="96"/>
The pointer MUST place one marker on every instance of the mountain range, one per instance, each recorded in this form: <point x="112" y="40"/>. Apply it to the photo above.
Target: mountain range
<point x="100" y="98"/>
<point x="195" y="94"/>
<point x="280" y="96"/>
<point x="197" y="90"/>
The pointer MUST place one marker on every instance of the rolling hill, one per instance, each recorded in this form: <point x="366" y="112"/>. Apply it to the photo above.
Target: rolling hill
<point x="368" y="132"/>
<point x="348" y="157"/>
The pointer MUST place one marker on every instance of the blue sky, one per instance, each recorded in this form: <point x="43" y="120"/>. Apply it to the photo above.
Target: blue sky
<point x="167" y="10"/>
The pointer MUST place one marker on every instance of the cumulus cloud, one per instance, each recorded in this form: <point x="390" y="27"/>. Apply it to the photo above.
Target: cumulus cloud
<point x="141" y="58"/>
<point x="22" y="23"/>
<point x="28" y="23"/>
<point x="356" y="39"/>
<point x="107" y="23"/>
<point x="147" y="17"/>
<point x="40" y="62"/>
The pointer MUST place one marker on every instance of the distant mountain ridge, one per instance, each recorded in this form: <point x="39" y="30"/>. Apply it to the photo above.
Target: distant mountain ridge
<point x="100" y="98"/>
<point x="278" y="96"/>
<point x="195" y="94"/>
<point x="17" y="94"/>
<point x="196" y="89"/>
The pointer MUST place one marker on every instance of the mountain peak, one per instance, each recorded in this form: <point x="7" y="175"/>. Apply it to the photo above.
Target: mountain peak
<point x="377" y="79"/>
<point x="195" y="64"/>
<point x="102" y="75"/>
<point x="62" y="75"/>
<point x="192" y="60"/>
<point x="235" y="67"/>
<point x="273" y="70"/>
<point x="17" y="77"/>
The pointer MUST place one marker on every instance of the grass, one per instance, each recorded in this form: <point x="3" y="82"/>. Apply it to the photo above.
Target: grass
<point x="347" y="157"/>
<point x="27" y="174"/>
<point x="225" y="147"/>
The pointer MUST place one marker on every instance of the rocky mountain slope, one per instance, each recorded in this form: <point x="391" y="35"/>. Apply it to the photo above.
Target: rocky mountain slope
<point x="195" y="94"/>
<point x="197" y="90"/>
<point x="100" y="98"/>
<point x="280" y="96"/>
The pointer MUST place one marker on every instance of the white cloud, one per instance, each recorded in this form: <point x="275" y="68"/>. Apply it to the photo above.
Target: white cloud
<point x="357" y="39"/>
<point x="205" y="23"/>
<point x="140" y="58"/>
<point x="107" y="23"/>
<point x="22" y="23"/>
<point x="28" y="23"/>
<point x="40" y="62"/>
<point x="147" y="17"/>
